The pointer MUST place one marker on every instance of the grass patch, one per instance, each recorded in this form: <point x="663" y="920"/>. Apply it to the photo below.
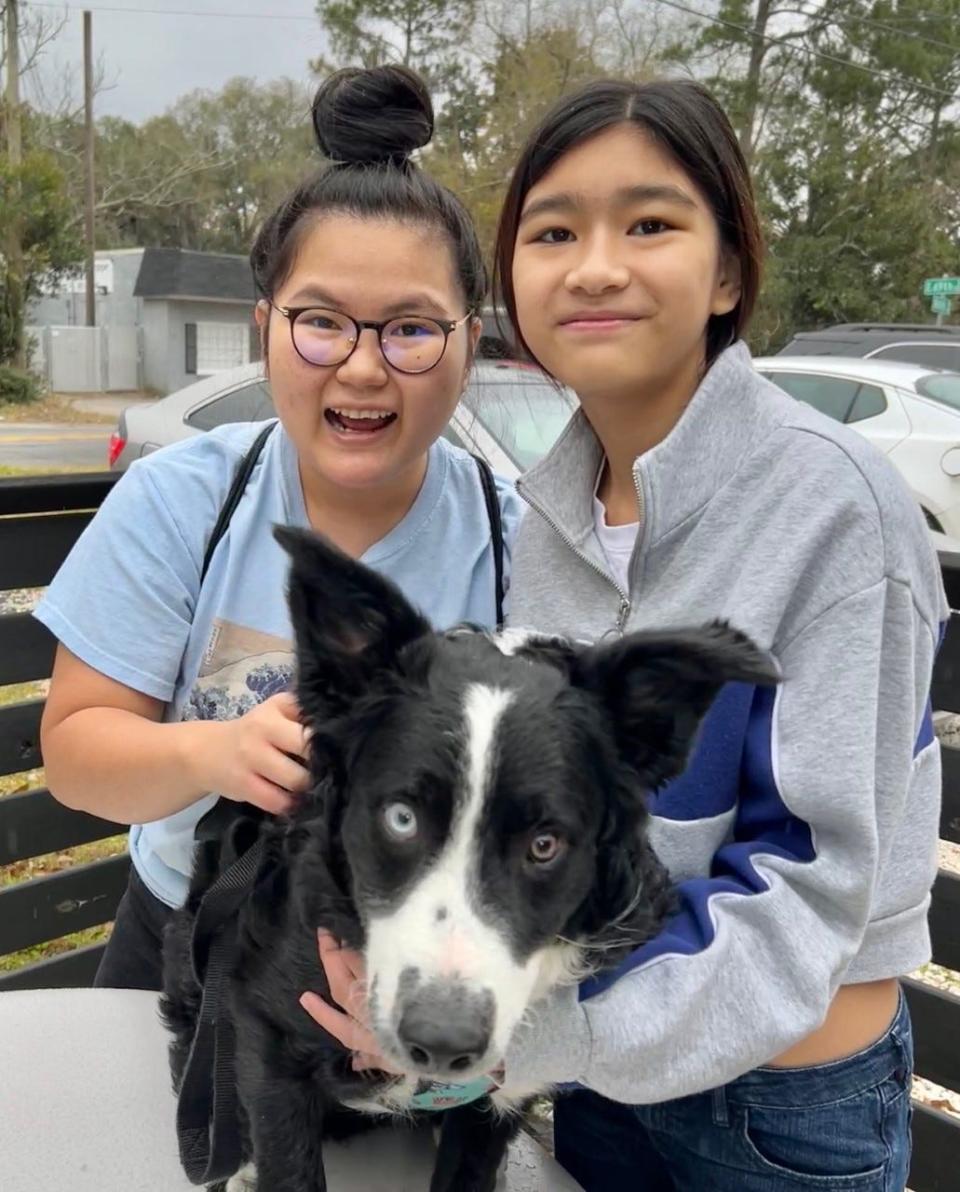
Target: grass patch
<point x="51" y="408"/>
<point x="22" y="871"/>
<point x="69" y="943"/>
<point x="25" y="780"/>
<point x="60" y="470"/>
<point x="81" y="854"/>
<point x="16" y="693"/>
<point x="16" y="784"/>
<point x="50" y="863"/>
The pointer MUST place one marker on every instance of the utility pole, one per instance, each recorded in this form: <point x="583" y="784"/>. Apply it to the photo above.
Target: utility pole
<point x="14" y="144"/>
<point x="14" y="244"/>
<point x="89" y="139"/>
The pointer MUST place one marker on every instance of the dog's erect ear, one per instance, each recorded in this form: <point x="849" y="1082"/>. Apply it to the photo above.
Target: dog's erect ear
<point x="349" y="622"/>
<point x="658" y="686"/>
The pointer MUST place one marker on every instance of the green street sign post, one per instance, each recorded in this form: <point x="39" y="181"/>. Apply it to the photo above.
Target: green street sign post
<point x="935" y="287"/>
<point x="940" y="291"/>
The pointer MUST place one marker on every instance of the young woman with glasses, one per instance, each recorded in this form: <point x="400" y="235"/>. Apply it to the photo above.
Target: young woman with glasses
<point x="169" y="686"/>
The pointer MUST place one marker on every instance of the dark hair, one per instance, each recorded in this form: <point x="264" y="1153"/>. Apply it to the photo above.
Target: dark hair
<point x="684" y="119"/>
<point x="368" y="122"/>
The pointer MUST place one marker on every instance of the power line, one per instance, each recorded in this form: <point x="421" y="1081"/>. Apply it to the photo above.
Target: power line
<point x="901" y="34"/>
<point x="168" y="12"/>
<point x="790" y="47"/>
<point x="786" y="43"/>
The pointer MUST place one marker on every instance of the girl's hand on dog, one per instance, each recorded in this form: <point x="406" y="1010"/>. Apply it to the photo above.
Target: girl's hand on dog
<point x="257" y="758"/>
<point x="347" y="981"/>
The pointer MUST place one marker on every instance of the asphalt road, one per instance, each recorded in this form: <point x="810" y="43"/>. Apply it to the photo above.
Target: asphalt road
<point x="52" y="446"/>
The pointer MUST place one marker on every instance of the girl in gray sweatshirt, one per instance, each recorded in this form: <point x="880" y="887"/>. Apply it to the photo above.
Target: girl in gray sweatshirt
<point x="760" y="1042"/>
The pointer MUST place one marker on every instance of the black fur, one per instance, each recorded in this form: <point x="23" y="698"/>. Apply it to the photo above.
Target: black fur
<point x="587" y="731"/>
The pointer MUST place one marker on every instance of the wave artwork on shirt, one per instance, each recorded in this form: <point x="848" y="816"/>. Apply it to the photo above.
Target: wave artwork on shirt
<point x="241" y="668"/>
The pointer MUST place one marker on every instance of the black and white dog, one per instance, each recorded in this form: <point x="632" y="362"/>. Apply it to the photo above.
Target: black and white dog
<point x="476" y="829"/>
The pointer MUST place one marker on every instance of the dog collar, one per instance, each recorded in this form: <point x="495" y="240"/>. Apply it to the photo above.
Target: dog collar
<point x="433" y="1095"/>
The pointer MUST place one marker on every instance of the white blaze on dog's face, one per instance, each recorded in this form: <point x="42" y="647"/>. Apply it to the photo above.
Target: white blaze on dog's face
<point x="444" y="943"/>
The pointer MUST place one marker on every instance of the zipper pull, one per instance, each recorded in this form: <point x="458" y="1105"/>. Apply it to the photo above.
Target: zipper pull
<point x="623" y="614"/>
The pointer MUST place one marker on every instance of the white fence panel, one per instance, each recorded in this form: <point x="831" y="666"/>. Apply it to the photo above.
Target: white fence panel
<point x="76" y="359"/>
<point x="88" y="359"/>
<point x="123" y="358"/>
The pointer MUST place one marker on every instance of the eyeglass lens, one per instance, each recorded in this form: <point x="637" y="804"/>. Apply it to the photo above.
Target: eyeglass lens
<point x="326" y="337"/>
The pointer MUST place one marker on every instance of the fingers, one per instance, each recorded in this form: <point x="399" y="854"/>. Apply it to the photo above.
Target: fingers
<point x="286" y="703"/>
<point x="269" y="797"/>
<point x="333" y="953"/>
<point x="283" y="772"/>
<point x="351" y="1033"/>
<point x="286" y="732"/>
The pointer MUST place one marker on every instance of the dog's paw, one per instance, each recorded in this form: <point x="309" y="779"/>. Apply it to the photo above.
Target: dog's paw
<point x="244" y="1181"/>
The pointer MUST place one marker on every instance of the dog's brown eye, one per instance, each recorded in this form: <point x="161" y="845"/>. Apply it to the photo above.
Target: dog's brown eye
<point x="400" y="820"/>
<point x="544" y="848"/>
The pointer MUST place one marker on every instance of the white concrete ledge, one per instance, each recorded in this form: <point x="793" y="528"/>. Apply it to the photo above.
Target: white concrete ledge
<point x="86" y="1106"/>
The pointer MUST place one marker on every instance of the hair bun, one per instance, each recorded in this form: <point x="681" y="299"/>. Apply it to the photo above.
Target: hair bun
<point x="367" y="117"/>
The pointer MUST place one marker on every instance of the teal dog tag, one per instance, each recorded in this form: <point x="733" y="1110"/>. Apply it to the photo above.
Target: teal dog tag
<point x="433" y="1095"/>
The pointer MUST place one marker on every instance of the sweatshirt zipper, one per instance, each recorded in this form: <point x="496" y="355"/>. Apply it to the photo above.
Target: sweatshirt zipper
<point x="623" y="611"/>
<point x="641" y="509"/>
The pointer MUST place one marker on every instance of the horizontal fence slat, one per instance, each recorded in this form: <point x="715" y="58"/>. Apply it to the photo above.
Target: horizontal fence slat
<point x="20" y="736"/>
<point x="33" y="547"/>
<point x="945" y="920"/>
<point x="34" y="823"/>
<point x="54" y="494"/>
<point x="946" y="671"/>
<point x="936" y="1033"/>
<point x="936" y="1151"/>
<point x="26" y="649"/>
<point x="950" y="809"/>
<point x="72" y="970"/>
<point x="46" y="908"/>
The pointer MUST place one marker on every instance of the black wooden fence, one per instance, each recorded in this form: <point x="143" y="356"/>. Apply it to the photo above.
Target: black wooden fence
<point x="41" y="517"/>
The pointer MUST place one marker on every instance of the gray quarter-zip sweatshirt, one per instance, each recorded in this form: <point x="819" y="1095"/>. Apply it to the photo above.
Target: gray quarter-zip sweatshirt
<point x="803" y="833"/>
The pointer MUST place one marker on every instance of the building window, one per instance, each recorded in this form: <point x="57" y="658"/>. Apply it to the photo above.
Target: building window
<point x="213" y="347"/>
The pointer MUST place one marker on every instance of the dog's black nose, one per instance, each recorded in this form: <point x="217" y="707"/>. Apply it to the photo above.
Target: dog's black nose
<point x="446" y="1035"/>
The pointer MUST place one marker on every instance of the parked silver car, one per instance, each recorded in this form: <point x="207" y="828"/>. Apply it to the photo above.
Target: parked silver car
<point x="510" y="414"/>
<point x="909" y="411"/>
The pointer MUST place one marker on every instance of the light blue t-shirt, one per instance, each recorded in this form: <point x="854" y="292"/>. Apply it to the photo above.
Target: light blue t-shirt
<point x="128" y="600"/>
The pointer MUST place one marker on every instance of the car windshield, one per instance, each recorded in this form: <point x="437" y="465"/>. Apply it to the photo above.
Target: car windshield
<point x="941" y="387"/>
<point x="525" y="417"/>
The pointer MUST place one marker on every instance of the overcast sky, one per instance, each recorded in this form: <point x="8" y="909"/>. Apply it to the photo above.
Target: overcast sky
<point x="153" y="51"/>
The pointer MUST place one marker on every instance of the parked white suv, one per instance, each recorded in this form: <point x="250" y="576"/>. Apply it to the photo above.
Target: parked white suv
<point x="910" y="412"/>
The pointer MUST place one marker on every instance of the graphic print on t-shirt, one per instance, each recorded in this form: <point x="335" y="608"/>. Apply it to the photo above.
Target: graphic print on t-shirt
<point x="241" y="668"/>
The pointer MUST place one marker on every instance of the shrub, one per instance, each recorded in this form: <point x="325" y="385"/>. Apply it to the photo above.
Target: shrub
<point x="17" y="388"/>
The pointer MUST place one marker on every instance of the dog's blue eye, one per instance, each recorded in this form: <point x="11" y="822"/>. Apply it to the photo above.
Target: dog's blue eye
<point x="544" y="848"/>
<point x="401" y="821"/>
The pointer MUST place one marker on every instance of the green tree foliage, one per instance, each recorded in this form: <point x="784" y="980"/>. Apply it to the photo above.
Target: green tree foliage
<point x="36" y="196"/>
<point x="849" y="111"/>
<point x="844" y="109"/>
<point x="428" y="35"/>
<point x="200" y="176"/>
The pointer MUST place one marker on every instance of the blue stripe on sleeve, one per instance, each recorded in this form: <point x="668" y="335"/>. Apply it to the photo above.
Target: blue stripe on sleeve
<point x="925" y="736"/>
<point x="710" y="783"/>
<point x="764" y="825"/>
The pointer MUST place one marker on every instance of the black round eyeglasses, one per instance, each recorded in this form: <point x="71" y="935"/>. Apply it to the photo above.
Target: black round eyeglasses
<point x="409" y="343"/>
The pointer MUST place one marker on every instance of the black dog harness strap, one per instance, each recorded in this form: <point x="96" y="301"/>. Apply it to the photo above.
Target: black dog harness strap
<point x="207" y="1104"/>
<point x="496" y="531"/>
<point x="237" y="489"/>
<point x="208" y="1128"/>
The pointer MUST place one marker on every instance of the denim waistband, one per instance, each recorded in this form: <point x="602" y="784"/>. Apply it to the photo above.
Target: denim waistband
<point x="834" y="1081"/>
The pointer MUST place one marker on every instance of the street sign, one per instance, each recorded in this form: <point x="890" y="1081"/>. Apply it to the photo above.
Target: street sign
<point x="940" y="304"/>
<point x="935" y="286"/>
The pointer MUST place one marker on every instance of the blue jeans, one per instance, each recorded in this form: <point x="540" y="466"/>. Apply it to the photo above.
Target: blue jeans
<point x="838" y="1127"/>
